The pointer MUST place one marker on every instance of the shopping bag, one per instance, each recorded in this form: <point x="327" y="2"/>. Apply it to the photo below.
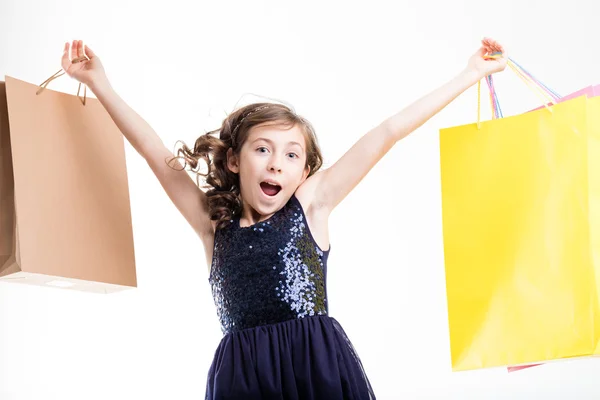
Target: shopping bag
<point x="593" y="165"/>
<point x="593" y="178"/>
<point x="521" y="367"/>
<point x="594" y="201"/>
<point x="6" y="184"/>
<point x="519" y="274"/>
<point x="589" y="91"/>
<point x="65" y="215"/>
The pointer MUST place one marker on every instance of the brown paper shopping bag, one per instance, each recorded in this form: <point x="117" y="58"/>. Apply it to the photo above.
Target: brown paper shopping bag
<point x="7" y="204"/>
<point x="65" y="215"/>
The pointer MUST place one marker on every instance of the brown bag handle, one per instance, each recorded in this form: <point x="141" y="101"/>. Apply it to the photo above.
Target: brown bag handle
<point x="60" y="73"/>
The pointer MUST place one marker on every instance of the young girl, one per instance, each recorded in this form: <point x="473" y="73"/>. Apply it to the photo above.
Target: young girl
<point x="263" y="224"/>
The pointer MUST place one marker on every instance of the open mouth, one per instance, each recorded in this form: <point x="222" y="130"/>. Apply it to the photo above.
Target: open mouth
<point x="268" y="189"/>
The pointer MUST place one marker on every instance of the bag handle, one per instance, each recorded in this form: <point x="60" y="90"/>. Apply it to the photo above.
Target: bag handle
<point x="60" y="73"/>
<point x="523" y="71"/>
<point x="548" y="95"/>
<point x="494" y="103"/>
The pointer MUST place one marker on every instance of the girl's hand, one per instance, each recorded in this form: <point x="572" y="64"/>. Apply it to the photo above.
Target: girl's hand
<point x="84" y="66"/>
<point x="484" y="66"/>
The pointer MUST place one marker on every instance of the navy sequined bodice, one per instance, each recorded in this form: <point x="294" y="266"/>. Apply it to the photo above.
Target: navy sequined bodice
<point x="269" y="272"/>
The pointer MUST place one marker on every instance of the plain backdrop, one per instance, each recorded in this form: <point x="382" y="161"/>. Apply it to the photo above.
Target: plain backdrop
<point x="345" y="66"/>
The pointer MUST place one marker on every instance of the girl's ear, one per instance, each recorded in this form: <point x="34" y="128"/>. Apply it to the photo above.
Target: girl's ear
<point x="232" y="161"/>
<point x="305" y="173"/>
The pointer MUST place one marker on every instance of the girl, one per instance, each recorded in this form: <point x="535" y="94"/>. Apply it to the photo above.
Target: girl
<point x="263" y="224"/>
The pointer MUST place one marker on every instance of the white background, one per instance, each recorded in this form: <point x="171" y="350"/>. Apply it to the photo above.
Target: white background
<point x="345" y="66"/>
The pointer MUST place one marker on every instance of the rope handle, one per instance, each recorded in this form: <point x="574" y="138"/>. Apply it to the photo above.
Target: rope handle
<point x="547" y="95"/>
<point x="60" y="73"/>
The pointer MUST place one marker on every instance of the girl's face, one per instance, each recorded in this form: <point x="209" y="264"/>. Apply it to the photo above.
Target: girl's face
<point x="270" y="166"/>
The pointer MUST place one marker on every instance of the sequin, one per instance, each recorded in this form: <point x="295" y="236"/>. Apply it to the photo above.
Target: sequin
<point x="278" y="277"/>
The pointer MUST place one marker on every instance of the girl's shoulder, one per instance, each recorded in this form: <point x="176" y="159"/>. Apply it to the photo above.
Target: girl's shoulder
<point x="317" y="218"/>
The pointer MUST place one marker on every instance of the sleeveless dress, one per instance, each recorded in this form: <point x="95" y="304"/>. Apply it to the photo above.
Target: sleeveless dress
<point x="268" y="282"/>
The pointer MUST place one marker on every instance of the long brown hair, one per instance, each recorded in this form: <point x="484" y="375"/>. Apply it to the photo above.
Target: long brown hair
<point x="224" y="199"/>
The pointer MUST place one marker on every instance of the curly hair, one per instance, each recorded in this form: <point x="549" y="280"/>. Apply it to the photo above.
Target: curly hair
<point x="223" y="186"/>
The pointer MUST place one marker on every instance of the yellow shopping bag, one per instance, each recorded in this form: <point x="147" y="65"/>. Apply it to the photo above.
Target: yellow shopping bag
<point x="520" y="279"/>
<point x="594" y="204"/>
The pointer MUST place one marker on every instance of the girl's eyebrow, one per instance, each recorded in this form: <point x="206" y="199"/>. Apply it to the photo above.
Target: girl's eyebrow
<point x="271" y="142"/>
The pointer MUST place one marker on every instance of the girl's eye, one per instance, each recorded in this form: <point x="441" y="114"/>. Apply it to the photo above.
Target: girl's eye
<point x="264" y="148"/>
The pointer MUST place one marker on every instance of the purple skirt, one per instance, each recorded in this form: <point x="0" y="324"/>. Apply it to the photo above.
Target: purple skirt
<point x="302" y="359"/>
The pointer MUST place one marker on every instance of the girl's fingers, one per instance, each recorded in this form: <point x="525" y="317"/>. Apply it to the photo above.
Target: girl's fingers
<point x="90" y="54"/>
<point x="481" y="51"/>
<point x="74" y="49"/>
<point x="496" y="46"/>
<point x="65" y="61"/>
<point x="491" y="43"/>
<point x="80" y="48"/>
